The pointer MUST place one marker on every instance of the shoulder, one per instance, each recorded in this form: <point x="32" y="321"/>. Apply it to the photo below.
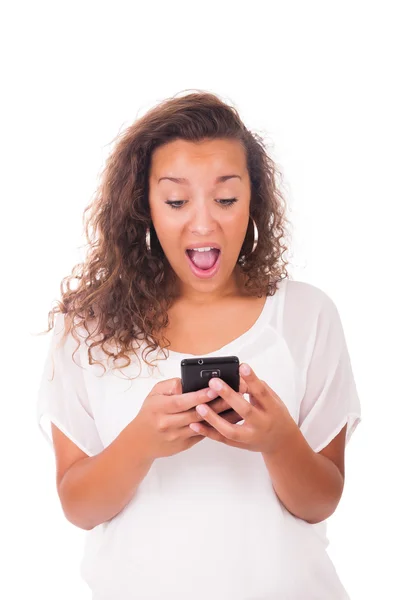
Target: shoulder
<point x="70" y="337"/>
<point x="307" y="292"/>
<point x="306" y="312"/>
<point x="303" y="299"/>
<point x="67" y="327"/>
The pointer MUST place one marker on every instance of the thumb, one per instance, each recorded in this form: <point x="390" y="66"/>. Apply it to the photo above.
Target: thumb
<point x="176" y="386"/>
<point x="170" y="387"/>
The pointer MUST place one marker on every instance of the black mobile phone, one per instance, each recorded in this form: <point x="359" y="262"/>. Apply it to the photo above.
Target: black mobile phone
<point x="196" y="372"/>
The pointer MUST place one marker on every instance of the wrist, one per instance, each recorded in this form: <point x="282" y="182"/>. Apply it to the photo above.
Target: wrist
<point x="137" y="445"/>
<point x="287" y="441"/>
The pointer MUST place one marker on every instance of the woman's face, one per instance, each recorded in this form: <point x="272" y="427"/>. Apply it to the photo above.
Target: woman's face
<point x="204" y="209"/>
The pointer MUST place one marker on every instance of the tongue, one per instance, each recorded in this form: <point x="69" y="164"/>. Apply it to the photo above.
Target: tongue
<point x="204" y="260"/>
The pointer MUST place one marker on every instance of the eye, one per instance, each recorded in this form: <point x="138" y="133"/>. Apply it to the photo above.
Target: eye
<point x="173" y="202"/>
<point x="224" y="202"/>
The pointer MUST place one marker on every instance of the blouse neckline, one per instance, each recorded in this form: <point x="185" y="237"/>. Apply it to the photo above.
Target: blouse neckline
<point x="244" y="337"/>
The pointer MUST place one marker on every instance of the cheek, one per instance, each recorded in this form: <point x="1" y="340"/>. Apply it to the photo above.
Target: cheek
<point x="169" y="231"/>
<point x="235" y="228"/>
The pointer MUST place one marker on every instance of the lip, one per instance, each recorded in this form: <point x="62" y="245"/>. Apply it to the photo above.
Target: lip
<point x="200" y="273"/>
<point x="204" y="245"/>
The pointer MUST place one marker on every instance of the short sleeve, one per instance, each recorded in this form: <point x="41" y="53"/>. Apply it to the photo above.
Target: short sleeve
<point x="63" y="397"/>
<point x="331" y="399"/>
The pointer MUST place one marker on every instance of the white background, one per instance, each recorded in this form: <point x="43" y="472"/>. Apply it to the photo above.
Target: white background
<point x="320" y="80"/>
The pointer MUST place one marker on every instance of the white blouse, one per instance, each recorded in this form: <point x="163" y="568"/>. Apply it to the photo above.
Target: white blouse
<point x="207" y="523"/>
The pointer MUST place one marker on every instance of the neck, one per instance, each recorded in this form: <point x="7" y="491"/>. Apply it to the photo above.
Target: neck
<point x="233" y="288"/>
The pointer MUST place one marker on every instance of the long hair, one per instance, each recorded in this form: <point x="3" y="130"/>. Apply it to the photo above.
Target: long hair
<point x="122" y="294"/>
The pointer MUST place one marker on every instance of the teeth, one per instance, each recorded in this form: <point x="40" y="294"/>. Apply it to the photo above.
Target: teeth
<point x="205" y="249"/>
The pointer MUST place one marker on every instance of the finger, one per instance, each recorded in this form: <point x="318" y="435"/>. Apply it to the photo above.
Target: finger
<point x="177" y="403"/>
<point x="168" y="387"/>
<point x="257" y="388"/>
<point x="219" y="406"/>
<point x="242" y="386"/>
<point x="234" y="399"/>
<point x="228" y="430"/>
<point x="194" y="439"/>
<point x="231" y="416"/>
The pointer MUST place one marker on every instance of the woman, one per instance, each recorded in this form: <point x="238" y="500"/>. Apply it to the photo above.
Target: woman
<point x="185" y="259"/>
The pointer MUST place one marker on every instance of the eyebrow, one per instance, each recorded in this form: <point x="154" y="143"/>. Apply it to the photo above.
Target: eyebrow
<point x="219" y="179"/>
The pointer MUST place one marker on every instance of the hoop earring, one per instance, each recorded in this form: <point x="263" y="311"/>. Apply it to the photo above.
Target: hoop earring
<point x="255" y="236"/>
<point x="255" y="242"/>
<point x="148" y="242"/>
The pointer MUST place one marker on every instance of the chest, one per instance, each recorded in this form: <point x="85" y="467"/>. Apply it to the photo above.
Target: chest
<point x="203" y="330"/>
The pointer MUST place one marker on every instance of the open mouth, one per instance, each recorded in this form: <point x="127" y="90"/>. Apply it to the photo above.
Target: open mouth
<point x="204" y="262"/>
<point x="203" y="258"/>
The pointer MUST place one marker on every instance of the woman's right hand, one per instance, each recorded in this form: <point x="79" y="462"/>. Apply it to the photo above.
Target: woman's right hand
<point x="166" y="414"/>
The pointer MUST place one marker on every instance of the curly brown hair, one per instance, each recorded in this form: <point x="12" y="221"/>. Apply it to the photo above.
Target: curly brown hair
<point x="121" y="288"/>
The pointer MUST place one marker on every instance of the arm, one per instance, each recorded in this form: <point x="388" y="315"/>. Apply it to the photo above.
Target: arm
<point x="309" y="484"/>
<point x="96" y="488"/>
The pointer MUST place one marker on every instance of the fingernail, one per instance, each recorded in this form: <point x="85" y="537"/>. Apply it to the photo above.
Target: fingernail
<point x="195" y="426"/>
<point x="245" y="369"/>
<point x="212" y="394"/>
<point x="215" y="384"/>
<point x="201" y="410"/>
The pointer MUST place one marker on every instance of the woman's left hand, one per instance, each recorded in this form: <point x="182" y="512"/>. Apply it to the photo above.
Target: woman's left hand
<point x="267" y="422"/>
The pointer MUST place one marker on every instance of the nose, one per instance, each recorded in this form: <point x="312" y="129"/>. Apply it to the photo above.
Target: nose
<point x="202" y="220"/>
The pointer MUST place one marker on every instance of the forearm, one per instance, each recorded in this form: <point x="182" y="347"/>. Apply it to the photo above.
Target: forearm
<point x="95" y="489"/>
<point x="308" y="484"/>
